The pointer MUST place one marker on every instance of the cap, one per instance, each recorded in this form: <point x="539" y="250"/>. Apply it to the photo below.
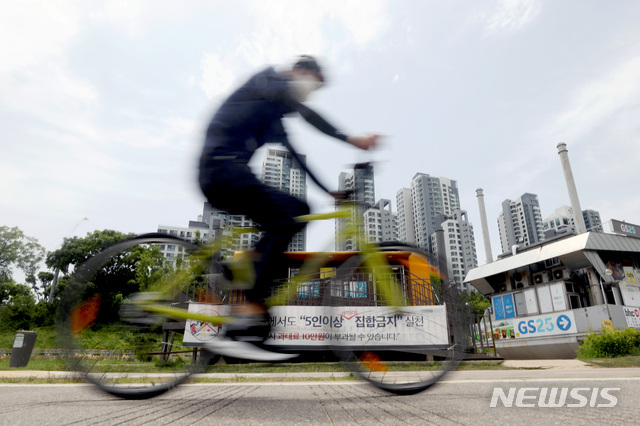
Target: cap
<point x="309" y="63"/>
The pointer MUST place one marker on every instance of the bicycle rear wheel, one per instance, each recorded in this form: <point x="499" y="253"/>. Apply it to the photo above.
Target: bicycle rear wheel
<point x="402" y="328"/>
<point x="118" y="346"/>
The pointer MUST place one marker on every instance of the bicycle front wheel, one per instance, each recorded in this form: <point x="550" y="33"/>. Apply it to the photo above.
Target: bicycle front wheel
<point x="109" y="337"/>
<point x="401" y="325"/>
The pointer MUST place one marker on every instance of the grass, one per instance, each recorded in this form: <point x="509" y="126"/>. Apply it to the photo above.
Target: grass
<point x="46" y="338"/>
<point x="36" y="363"/>
<point x="120" y="338"/>
<point x="618" y="362"/>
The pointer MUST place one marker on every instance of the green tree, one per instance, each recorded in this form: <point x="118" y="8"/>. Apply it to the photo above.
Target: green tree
<point x="18" y="250"/>
<point x="476" y="301"/>
<point x="75" y="251"/>
<point x="17" y="306"/>
<point x="45" y="282"/>
<point x="121" y="275"/>
<point x="197" y="239"/>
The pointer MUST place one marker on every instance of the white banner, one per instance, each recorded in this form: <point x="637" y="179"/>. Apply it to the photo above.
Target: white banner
<point x="319" y="326"/>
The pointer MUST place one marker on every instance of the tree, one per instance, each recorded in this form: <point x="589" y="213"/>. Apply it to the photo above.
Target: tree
<point x="476" y="301"/>
<point x="197" y="239"/>
<point x="75" y="251"/>
<point x="124" y="273"/>
<point x="17" y="306"/>
<point x="16" y="249"/>
<point x="45" y="282"/>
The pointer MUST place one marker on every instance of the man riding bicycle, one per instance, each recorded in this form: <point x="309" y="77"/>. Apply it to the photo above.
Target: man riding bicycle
<point x="250" y="117"/>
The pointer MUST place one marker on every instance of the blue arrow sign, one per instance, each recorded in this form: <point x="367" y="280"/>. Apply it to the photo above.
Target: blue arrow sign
<point x="563" y="322"/>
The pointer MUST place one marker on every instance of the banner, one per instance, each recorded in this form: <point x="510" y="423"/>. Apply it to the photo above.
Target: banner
<point x="319" y="326"/>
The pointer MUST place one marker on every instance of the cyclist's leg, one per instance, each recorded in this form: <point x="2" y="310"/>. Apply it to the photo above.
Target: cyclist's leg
<point x="232" y="187"/>
<point x="275" y="211"/>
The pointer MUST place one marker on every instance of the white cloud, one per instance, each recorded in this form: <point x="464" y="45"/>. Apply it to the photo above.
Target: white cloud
<point x="218" y="76"/>
<point x="134" y="18"/>
<point x="597" y="101"/>
<point x="35" y="30"/>
<point x="283" y="29"/>
<point x="48" y="90"/>
<point x="34" y="74"/>
<point x="510" y="16"/>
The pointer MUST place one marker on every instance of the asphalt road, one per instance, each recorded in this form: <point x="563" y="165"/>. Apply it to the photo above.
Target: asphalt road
<point x="462" y="398"/>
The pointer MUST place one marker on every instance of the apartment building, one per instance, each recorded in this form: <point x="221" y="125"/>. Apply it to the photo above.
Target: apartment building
<point x="520" y="222"/>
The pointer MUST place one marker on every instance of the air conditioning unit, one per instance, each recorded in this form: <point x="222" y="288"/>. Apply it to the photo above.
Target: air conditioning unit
<point x="520" y="280"/>
<point x="539" y="278"/>
<point x="560" y="274"/>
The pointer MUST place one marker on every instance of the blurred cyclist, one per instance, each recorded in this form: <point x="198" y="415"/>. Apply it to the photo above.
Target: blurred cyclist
<point x="250" y="117"/>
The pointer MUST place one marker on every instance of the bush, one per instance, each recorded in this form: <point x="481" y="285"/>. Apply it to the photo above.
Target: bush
<point x="611" y="344"/>
<point x="18" y="313"/>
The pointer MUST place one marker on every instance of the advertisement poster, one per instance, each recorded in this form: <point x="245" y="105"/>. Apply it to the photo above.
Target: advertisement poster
<point x="629" y="274"/>
<point x="632" y="315"/>
<point x="509" y="309"/>
<point x="558" y="297"/>
<point x="544" y="297"/>
<point x="531" y="300"/>
<point x="498" y="307"/>
<point x="329" y="326"/>
<point x="521" y="303"/>
<point x="196" y="333"/>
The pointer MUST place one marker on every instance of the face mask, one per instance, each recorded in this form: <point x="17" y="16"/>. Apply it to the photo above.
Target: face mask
<point x="303" y="85"/>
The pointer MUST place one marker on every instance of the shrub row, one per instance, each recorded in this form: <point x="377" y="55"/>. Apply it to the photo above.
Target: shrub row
<point x="611" y="344"/>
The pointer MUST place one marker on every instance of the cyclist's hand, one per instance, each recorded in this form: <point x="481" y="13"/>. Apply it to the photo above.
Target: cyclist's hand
<point x="364" y="142"/>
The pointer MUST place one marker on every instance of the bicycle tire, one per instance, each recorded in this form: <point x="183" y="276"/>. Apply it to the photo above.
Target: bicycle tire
<point x="400" y="365"/>
<point x="85" y="306"/>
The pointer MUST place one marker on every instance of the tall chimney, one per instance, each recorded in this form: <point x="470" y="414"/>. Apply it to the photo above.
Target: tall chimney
<point x="571" y="187"/>
<point x="485" y="225"/>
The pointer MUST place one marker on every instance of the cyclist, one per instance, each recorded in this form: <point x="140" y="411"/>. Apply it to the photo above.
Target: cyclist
<point x="250" y="117"/>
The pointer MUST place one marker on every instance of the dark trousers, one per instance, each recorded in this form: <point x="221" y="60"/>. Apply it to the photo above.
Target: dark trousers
<point x="230" y="186"/>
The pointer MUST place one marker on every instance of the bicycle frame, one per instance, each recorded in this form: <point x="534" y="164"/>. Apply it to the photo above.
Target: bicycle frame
<point x="372" y="258"/>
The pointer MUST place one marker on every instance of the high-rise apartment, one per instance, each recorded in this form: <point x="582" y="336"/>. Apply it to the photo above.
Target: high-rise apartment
<point x="520" y="222"/>
<point x="592" y="220"/>
<point x="380" y="223"/>
<point x="359" y="180"/>
<point x="457" y="246"/>
<point x="563" y="220"/>
<point x="280" y="170"/>
<point x="406" y="231"/>
<point x="430" y="196"/>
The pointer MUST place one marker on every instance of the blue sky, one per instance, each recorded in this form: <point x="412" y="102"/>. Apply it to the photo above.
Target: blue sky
<point x="103" y="104"/>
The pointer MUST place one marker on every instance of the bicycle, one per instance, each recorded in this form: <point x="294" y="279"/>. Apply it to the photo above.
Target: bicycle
<point x="387" y="313"/>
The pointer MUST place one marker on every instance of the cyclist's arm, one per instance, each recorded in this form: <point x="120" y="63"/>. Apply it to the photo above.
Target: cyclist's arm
<point x="319" y="123"/>
<point x="312" y="117"/>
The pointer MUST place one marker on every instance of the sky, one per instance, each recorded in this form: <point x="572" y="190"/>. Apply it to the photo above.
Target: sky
<point x="103" y="105"/>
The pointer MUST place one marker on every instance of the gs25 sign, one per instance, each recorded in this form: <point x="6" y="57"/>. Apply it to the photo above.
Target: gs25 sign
<point x="547" y="325"/>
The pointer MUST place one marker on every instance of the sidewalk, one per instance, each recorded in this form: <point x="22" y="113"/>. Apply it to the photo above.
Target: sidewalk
<point x="539" y="364"/>
<point x="547" y="364"/>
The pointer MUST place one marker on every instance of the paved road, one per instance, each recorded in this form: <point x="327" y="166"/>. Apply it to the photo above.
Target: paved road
<point x="463" y="398"/>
